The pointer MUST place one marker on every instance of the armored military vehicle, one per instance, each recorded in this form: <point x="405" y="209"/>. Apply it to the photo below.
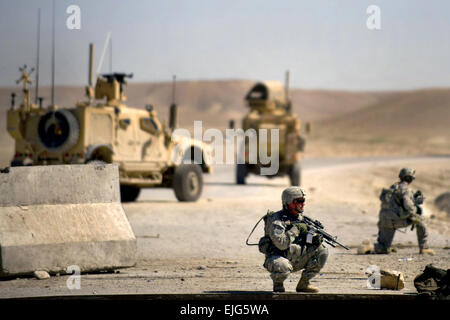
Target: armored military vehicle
<point x="270" y="108"/>
<point x="104" y="129"/>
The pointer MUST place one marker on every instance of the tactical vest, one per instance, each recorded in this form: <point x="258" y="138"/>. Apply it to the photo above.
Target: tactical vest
<point x="265" y="244"/>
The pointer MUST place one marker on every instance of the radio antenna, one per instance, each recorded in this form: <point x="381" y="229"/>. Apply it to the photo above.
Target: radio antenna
<point x="110" y="56"/>
<point x="173" y="107"/>
<point x="37" y="56"/>
<point x="53" y="54"/>
<point x="286" y="88"/>
<point x="103" y="52"/>
<point x="174" y="83"/>
<point x="286" y="85"/>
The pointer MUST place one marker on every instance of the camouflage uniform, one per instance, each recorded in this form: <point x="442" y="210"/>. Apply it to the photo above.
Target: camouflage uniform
<point x="399" y="211"/>
<point x="283" y="256"/>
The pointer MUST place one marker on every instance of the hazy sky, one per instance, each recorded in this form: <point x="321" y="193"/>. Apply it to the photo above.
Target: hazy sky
<point x="324" y="44"/>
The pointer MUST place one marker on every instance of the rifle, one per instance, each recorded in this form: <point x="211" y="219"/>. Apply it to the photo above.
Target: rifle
<point x="418" y="200"/>
<point x="318" y="228"/>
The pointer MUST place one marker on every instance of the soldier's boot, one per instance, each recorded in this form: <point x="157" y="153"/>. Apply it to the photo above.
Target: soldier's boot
<point x="304" y="286"/>
<point x="278" y="286"/>
<point x="422" y="236"/>
<point x="426" y="251"/>
<point x="366" y="247"/>
<point x="278" y="280"/>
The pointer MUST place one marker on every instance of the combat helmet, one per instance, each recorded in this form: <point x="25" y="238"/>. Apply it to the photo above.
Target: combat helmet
<point x="405" y="173"/>
<point x="290" y="194"/>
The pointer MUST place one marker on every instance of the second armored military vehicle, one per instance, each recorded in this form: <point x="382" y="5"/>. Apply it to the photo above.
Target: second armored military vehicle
<point x="270" y="108"/>
<point x="146" y="152"/>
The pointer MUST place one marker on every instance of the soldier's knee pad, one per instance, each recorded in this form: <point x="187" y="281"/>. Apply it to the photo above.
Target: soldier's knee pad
<point x="322" y="256"/>
<point x="295" y="252"/>
<point x="421" y="225"/>
<point x="278" y="264"/>
<point x="318" y="260"/>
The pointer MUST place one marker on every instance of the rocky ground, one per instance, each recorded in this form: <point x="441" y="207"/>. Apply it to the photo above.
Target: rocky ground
<point x="200" y="247"/>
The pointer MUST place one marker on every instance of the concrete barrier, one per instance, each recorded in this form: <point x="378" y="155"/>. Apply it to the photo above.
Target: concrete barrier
<point x="52" y="217"/>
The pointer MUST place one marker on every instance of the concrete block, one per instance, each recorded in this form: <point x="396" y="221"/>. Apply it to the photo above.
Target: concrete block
<point x="53" y="217"/>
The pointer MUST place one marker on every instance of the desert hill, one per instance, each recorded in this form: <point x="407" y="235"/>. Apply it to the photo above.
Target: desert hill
<point x="411" y="122"/>
<point x="204" y="100"/>
<point x="427" y="111"/>
<point x="345" y="123"/>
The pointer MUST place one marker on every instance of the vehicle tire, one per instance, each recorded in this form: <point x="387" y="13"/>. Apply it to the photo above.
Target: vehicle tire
<point x="188" y="182"/>
<point x="17" y="163"/>
<point x="241" y="173"/>
<point x="96" y="162"/>
<point x="129" y="193"/>
<point x="20" y="163"/>
<point x="295" y="174"/>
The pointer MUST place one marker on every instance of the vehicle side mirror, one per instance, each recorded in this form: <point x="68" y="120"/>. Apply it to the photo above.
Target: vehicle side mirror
<point x="124" y="123"/>
<point x="149" y="125"/>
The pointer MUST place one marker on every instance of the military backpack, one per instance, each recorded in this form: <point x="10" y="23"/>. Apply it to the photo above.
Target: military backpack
<point x="390" y="196"/>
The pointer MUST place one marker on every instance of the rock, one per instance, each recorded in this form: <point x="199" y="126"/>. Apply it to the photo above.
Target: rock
<point x="41" y="275"/>
<point x="201" y="268"/>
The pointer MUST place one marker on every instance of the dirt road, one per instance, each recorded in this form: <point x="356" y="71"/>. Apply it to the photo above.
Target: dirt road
<point x="200" y="247"/>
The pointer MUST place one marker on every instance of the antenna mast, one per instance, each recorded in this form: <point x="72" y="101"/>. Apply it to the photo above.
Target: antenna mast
<point x="286" y="85"/>
<point x="103" y="53"/>
<point x="37" y="56"/>
<point x="89" y="89"/>
<point x="173" y="107"/>
<point x="110" y="55"/>
<point x="174" y="82"/>
<point x="53" y="54"/>
<point x="286" y="93"/>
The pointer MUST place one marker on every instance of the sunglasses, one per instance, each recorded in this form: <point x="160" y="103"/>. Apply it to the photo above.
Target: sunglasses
<point x="299" y="200"/>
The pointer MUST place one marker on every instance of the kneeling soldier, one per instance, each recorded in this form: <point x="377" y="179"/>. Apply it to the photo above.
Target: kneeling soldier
<point x="289" y="245"/>
<point x="400" y="208"/>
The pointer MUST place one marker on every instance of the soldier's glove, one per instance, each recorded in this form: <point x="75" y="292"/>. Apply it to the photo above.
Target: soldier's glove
<point x="415" y="219"/>
<point x="301" y="227"/>
<point x="418" y="197"/>
<point x="317" y="240"/>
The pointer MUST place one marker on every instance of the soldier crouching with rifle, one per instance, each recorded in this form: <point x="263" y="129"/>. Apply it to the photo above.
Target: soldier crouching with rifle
<point x="293" y="242"/>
